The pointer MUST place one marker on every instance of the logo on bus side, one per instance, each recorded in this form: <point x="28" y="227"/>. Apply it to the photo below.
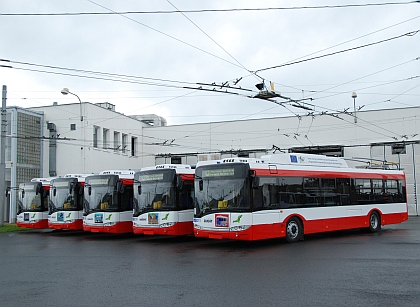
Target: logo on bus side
<point x="222" y="220"/>
<point x="60" y="216"/>
<point x="238" y="219"/>
<point x="295" y="159"/>
<point x="153" y="218"/>
<point x="99" y="218"/>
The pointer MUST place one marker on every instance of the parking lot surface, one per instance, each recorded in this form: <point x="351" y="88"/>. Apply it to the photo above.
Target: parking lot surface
<point x="350" y="268"/>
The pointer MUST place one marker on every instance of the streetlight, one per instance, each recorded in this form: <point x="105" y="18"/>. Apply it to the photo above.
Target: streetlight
<point x="354" y="96"/>
<point x="66" y="91"/>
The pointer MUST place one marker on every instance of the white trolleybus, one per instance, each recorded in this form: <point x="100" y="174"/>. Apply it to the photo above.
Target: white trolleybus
<point x="108" y="205"/>
<point x="289" y="195"/>
<point x="66" y="202"/>
<point x="32" y="204"/>
<point x="163" y="200"/>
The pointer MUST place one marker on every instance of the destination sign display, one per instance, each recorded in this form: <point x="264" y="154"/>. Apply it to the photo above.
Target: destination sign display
<point x="224" y="172"/>
<point x="61" y="184"/>
<point x="99" y="181"/>
<point x="28" y="187"/>
<point x="151" y="177"/>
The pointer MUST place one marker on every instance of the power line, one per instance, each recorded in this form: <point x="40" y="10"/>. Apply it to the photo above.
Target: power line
<point x="209" y="37"/>
<point x="318" y="92"/>
<point x="216" y="10"/>
<point x="412" y="33"/>
<point x="91" y="72"/>
<point x="167" y="35"/>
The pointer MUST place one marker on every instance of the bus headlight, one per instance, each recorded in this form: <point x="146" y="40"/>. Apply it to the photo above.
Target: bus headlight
<point x="196" y="226"/>
<point x="70" y="221"/>
<point x="239" y="228"/>
<point x="110" y="224"/>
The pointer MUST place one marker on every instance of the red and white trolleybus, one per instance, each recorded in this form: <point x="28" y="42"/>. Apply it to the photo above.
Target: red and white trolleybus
<point x="66" y="202"/>
<point x="32" y="204"/>
<point x="163" y="200"/>
<point x="289" y="195"/>
<point x="108" y="204"/>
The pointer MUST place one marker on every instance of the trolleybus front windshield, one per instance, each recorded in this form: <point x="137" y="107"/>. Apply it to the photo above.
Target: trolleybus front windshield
<point x="29" y="199"/>
<point x="100" y="194"/>
<point x="61" y="196"/>
<point x="222" y="188"/>
<point x="156" y="191"/>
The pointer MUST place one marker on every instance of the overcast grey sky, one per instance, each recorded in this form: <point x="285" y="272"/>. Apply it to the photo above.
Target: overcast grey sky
<point x="176" y="50"/>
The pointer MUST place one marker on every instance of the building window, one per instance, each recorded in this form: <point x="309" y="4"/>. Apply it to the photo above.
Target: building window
<point x="72" y="127"/>
<point x="175" y="160"/>
<point x="95" y="136"/>
<point x="117" y="144"/>
<point x="133" y="146"/>
<point x="124" y="143"/>
<point x="105" y="133"/>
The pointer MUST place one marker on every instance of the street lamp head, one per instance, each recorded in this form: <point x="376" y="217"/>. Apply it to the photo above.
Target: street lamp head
<point x="65" y="91"/>
<point x="354" y="95"/>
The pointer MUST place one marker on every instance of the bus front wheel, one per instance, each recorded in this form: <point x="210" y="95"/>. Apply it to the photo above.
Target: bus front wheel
<point x="294" y="230"/>
<point x="374" y="222"/>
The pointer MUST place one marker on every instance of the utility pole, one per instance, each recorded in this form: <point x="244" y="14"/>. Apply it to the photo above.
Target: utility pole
<point x="354" y="96"/>
<point x="2" y="156"/>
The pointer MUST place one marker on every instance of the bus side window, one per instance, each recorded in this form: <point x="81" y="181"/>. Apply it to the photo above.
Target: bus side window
<point x="185" y="198"/>
<point x="266" y="195"/>
<point x="257" y="197"/>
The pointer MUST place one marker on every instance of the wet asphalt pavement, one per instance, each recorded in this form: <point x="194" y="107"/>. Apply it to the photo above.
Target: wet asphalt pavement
<point x="352" y="268"/>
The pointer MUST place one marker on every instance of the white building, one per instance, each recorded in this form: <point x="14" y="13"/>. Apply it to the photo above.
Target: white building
<point x="88" y="138"/>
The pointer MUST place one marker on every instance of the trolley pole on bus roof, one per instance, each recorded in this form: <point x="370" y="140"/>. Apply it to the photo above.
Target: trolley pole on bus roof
<point x="2" y="156"/>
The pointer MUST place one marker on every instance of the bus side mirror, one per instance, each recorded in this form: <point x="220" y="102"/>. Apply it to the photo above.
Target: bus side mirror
<point x="179" y="183"/>
<point x="139" y="189"/>
<point x="23" y="193"/>
<point x="90" y="190"/>
<point x="200" y="184"/>
<point x="71" y="187"/>
<point x="55" y="192"/>
<point x="38" y="188"/>
<point x="7" y="191"/>
<point x="255" y="182"/>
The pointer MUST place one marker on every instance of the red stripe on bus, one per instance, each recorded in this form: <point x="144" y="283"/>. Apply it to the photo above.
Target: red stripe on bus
<point x="327" y="174"/>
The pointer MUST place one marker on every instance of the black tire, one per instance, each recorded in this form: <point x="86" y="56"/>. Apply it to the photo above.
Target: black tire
<point x="294" y="230"/>
<point x="374" y="222"/>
